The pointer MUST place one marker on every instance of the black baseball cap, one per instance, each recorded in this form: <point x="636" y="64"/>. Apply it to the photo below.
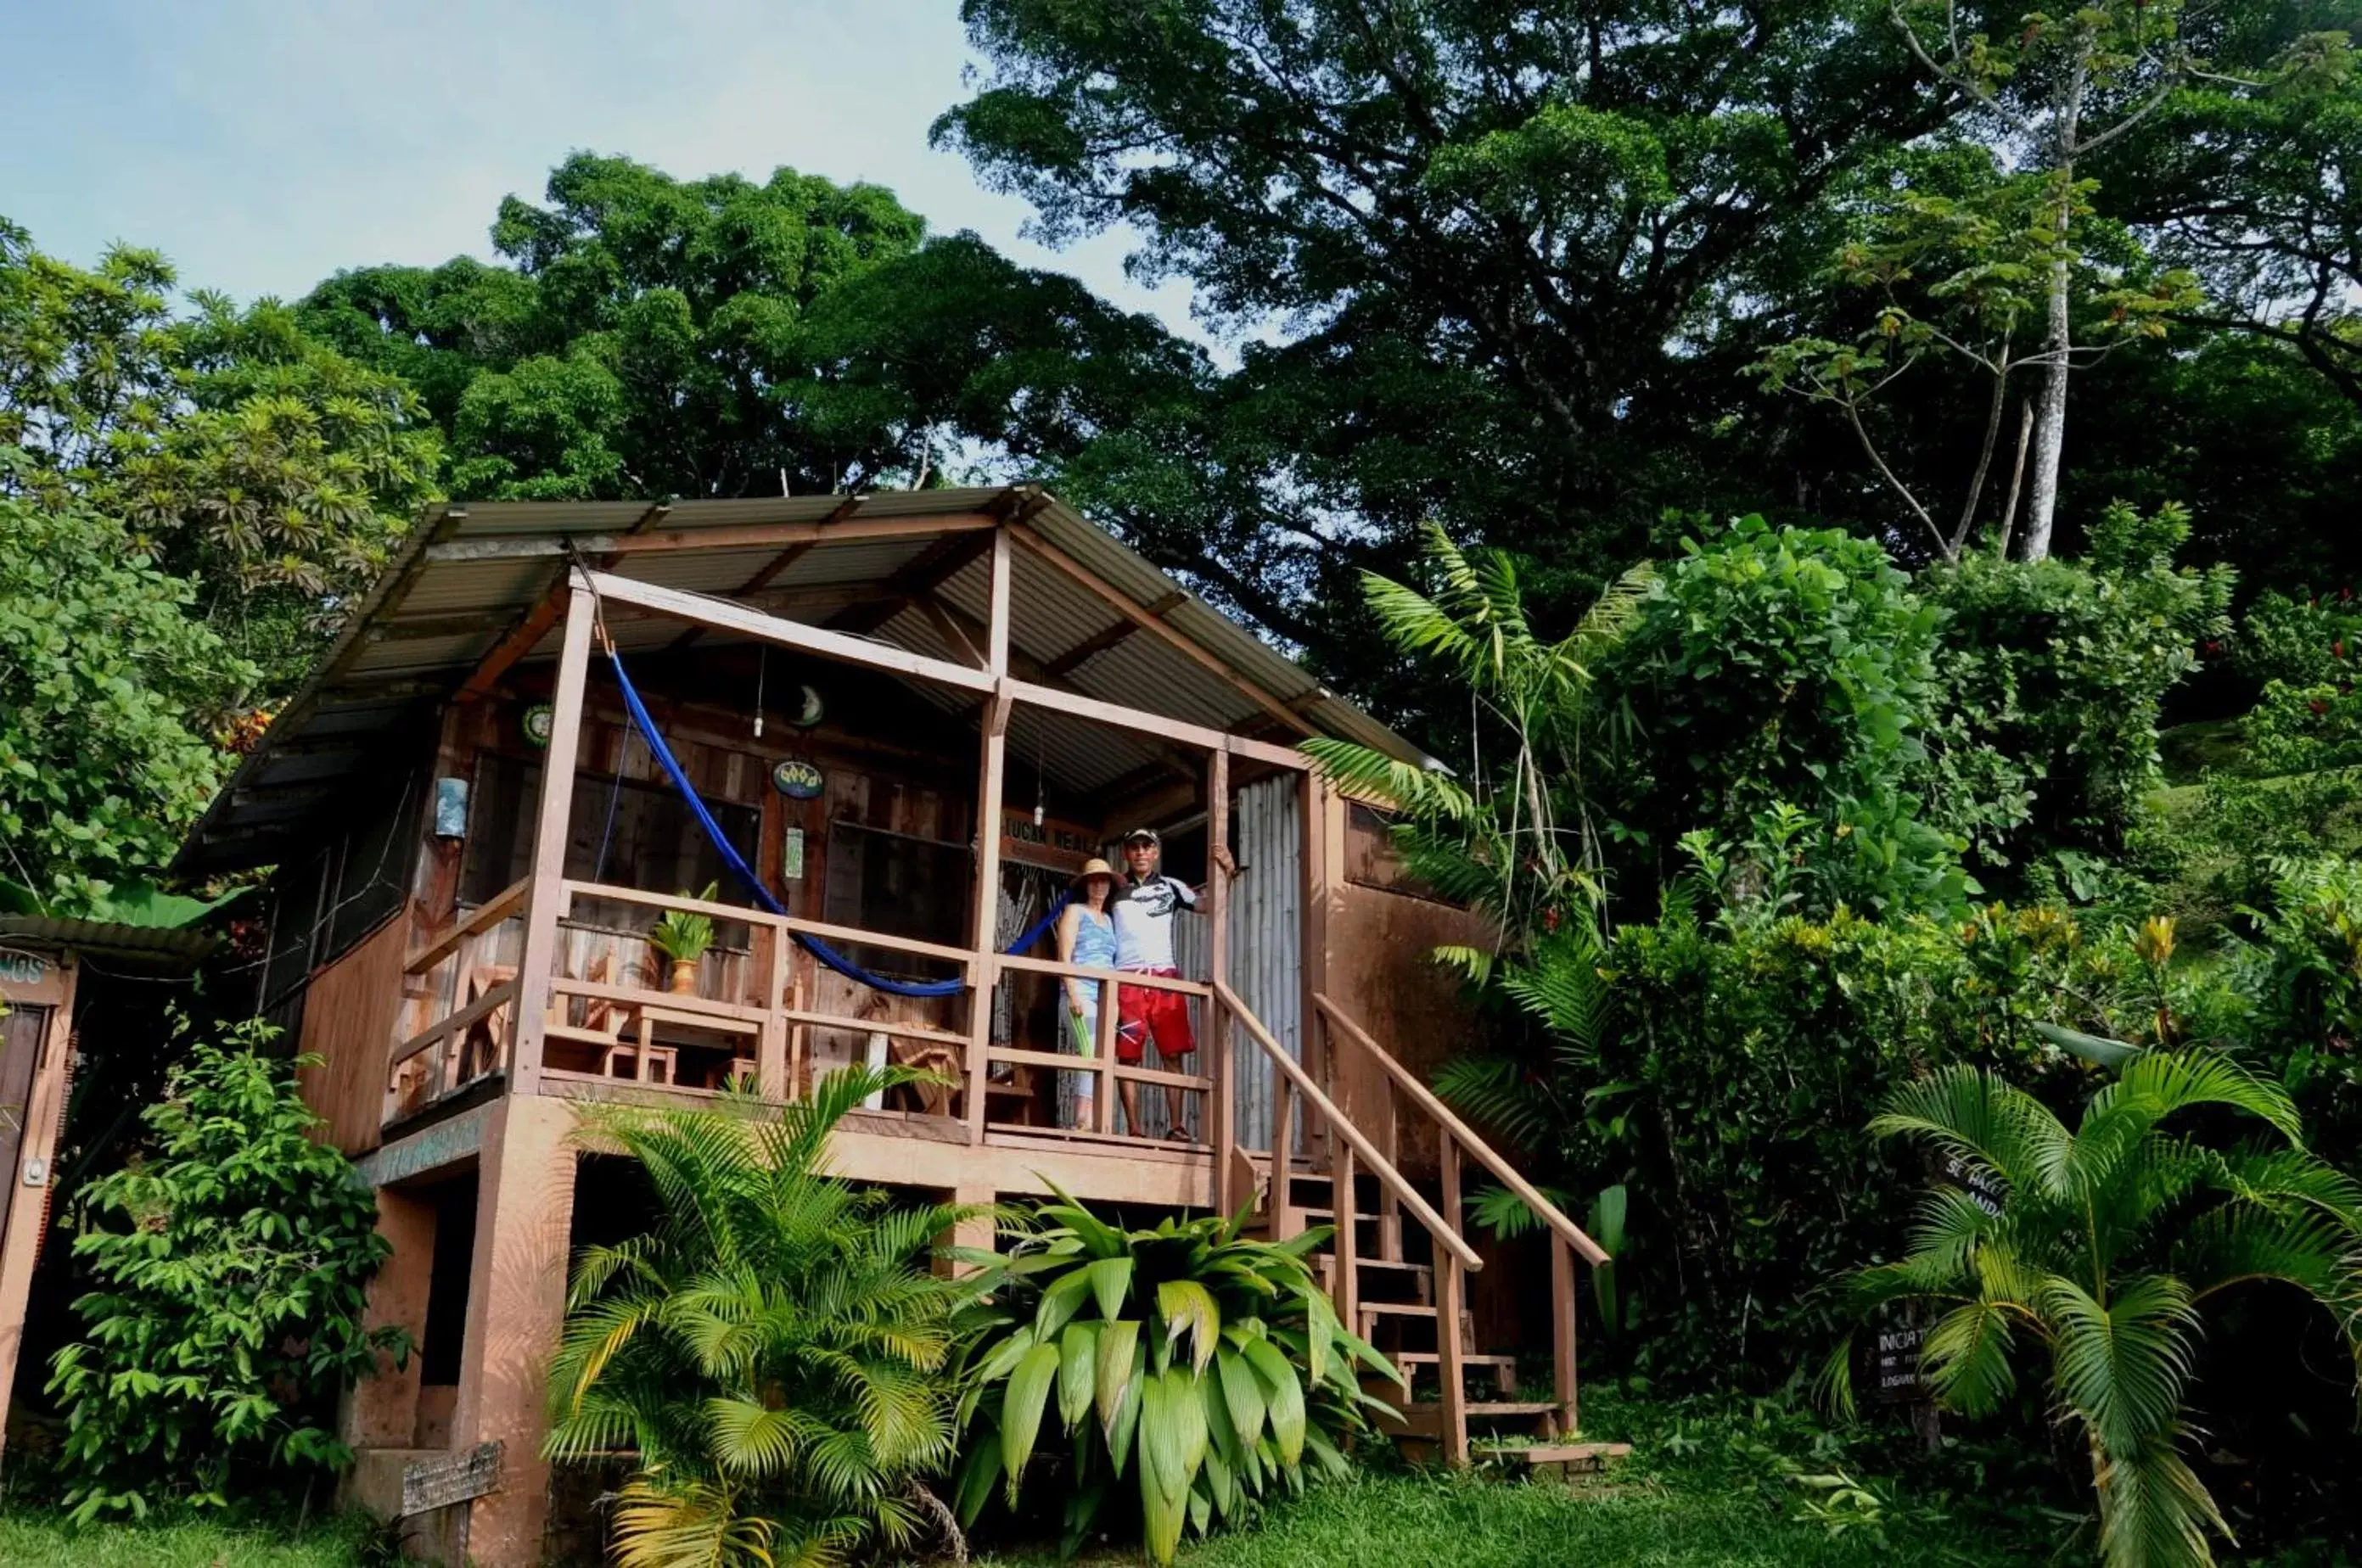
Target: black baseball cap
<point x="1144" y="835"/>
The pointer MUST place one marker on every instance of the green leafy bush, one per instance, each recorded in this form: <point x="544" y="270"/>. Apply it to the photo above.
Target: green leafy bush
<point x="233" y="1264"/>
<point x="774" y="1352"/>
<point x="2053" y="674"/>
<point x="1788" y="668"/>
<point x="2309" y="641"/>
<point x="1214" y="1367"/>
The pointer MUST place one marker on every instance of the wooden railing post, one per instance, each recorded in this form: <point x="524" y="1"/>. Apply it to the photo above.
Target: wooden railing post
<point x="1562" y="1307"/>
<point x="1103" y="1082"/>
<point x="983" y="973"/>
<point x="1451" y="1299"/>
<point x="546" y="898"/>
<point x="773" y="1077"/>
<point x="1345" y="1289"/>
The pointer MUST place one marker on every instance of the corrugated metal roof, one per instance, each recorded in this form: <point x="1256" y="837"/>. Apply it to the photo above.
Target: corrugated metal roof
<point x="177" y="947"/>
<point x="470" y="572"/>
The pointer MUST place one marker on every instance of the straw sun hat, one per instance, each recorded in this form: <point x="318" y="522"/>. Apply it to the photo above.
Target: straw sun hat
<point x="1091" y="868"/>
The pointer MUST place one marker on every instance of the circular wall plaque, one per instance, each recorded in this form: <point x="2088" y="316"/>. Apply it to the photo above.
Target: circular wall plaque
<point x="797" y="779"/>
<point x="539" y="720"/>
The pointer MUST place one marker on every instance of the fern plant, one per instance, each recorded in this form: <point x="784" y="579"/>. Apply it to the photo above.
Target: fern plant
<point x="773" y="1356"/>
<point x="1518" y="841"/>
<point x="1211" y="1365"/>
<point x="2109" y="1243"/>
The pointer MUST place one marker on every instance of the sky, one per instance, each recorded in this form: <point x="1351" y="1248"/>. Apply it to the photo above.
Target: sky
<point x="262" y="145"/>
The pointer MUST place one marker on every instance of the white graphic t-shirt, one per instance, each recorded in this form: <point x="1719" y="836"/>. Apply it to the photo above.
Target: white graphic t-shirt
<point x="1143" y="921"/>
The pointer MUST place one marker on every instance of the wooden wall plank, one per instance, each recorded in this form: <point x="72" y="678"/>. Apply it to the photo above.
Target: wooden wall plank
<point x="349" y="1019"/>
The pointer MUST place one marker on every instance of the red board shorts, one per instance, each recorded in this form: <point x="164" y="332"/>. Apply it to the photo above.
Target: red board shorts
<point x="1145" y="1012"/>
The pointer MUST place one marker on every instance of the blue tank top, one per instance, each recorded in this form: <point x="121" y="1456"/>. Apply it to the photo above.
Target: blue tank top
<point x="1094" y="940"/>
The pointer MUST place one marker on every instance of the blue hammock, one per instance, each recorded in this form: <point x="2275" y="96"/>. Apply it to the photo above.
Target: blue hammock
<point x="754" y="884"/>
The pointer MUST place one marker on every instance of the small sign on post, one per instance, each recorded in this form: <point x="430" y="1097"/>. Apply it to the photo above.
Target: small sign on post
<point x="1894" y="1365"/>
<point x="448" y="1478"/>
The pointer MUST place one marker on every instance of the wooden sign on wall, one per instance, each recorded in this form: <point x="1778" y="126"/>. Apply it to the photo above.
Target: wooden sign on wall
<point x="448" y="1478"/>
<point x="1063" y="845"/>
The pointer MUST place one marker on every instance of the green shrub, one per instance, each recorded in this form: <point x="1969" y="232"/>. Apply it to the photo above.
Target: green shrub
<point x="773" y="1353"/>
<point x="2311" y="641"/>
<point x="101" y="669"/>
<point x="1214" y="1367"/>
<point x="1787" y="668"/>
<point x="233" y="1263"/>
<point x="2053" y="674"/>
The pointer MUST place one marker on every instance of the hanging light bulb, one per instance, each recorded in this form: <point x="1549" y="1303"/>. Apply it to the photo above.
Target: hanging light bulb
<point x="762" y="668"/>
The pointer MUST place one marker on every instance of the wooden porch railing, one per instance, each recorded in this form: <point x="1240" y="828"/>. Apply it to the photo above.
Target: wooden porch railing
<point x="479" y="1032"/>
<point x="1455" y="1140"/>
<point x="1352" y="1151"/>
<point x="1105" y="1070"/>
<point x="412" y="1083"/>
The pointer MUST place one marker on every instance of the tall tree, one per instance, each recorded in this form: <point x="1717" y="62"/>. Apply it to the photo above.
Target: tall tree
<point x="1517" y="252"/>
<point x="2056" y="91"/>
<point x="653" y="336"/>
<point x="265" y="469"/>
<point x="2260" y="191"/>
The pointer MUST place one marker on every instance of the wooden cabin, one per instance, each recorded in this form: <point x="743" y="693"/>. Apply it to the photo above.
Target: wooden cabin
<point x="914" y="716"/>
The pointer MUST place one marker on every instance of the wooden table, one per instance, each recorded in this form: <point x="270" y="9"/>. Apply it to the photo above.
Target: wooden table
<point x="659" y="1032"/>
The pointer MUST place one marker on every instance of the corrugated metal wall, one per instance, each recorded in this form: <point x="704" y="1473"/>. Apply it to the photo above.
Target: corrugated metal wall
<point x="1266" y="957"/>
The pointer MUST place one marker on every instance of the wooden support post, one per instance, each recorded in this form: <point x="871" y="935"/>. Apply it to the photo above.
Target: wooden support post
<point x="516" y="1310"/>
<point x="983" y="970"/>
<point x="1452" y="1300"/>
<point x="1562" y="1306"/>
<point x="548" y="897"/>
<point x="1283" y="1156"/>
<point x="973" y="1234"/>
<point x="1223" y="1131"/>
<point x="1312" y="948"/>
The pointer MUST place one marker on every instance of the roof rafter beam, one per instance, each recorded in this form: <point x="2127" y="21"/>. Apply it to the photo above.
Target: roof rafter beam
<point x="1091" y="647"/>
<point x="923" y="574"/>
<point x="1155" y="625"/>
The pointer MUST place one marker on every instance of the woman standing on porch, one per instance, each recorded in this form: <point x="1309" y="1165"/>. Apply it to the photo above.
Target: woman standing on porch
<point x="1085" y="936"/>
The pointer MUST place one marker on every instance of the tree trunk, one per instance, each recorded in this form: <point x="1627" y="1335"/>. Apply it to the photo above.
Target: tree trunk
<point x="2051" y="437"/>
<point x="1984" y="455"/>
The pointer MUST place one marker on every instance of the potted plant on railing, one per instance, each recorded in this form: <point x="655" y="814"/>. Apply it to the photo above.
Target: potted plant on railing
<point x="682" y="935"/>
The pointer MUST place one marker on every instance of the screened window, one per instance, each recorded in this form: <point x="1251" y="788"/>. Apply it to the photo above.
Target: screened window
<point x="630" y="835"/>
<point x="901" y="885"/>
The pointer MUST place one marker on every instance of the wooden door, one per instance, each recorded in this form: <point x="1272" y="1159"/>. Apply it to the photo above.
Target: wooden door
<point x="22" y="1030"/>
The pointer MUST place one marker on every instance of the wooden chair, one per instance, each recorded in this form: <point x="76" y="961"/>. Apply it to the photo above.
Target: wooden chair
<point x="604" y="1020"/>
<point x="927" y="1099"/>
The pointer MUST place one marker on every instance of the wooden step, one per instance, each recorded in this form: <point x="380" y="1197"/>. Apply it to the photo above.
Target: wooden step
<point x="1430" y="1358"/>
<point x="1555" y="1461"/>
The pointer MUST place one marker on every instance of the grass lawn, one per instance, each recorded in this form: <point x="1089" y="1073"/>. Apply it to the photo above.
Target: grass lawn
<point x="1471" y="1522"/>
<point x="1708" y="1485"/>
<point x="27" y="1539"/>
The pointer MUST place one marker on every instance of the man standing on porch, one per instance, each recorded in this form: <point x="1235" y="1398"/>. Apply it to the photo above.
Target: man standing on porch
<point x="1143" y="944"/>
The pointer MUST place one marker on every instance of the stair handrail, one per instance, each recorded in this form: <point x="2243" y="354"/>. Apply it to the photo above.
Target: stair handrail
<point x="1454" y="1128"/>
<point x="1445" y="1235"/>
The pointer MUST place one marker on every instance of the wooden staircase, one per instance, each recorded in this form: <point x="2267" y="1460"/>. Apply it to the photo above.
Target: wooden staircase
<point x="1398" y="1265"/>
